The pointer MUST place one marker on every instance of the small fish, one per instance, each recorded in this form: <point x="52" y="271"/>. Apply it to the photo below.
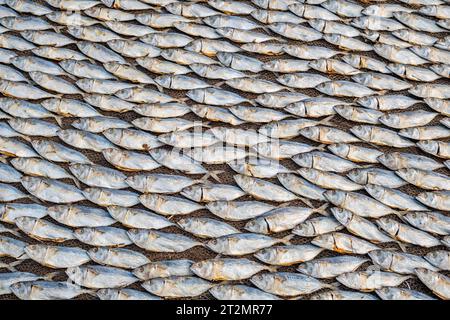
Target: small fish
<point x="347" y="43"/>
<point x="398" y="55"/>
<point x="282" y="149"/>
<point x="437" y="199"/>
<point x="355" y="153"/>
<point x="295" y="31"/>
<point x="103" y="236"/>
<point x="99" y="277"/>
<point x="401" y="160"/>
<point x="376" y="176"/>
<point x="359" y="204"/>
<point x="360" y="226"/>
<point x="425" y="179"/>
<point x="10" y="211"/>
<point x="212" y="192"/>
<point x="433" y="222"/>
<point x="168" y="205"/>
<point x="439" y="258"/>
<point x="342" y="88"/>
<point x="51" y="190"/>
<point x="240" y="292"/>
<point x="437" y="148"/>
<point x="57" y="257"/>
<point x="371" y="280"/>
<point x="288" y="284"/>
<point x="387" y="102"/>
<point x="413" y="73"/>
<point x="417" y="22"/>
<point x="394" y="198"/>
<point x="57" y="152"/>
<point x="407" y="234"/>
<point x="330" y="267"/>
<point x="118" y="257"/>
<point x="392" y="293"/>
<point x="84" y="140"/>
<point x="238" y="210"/>
<point x="380" y="136"/>
<point x="206" y="228"/>
<point x="317" y="226"/>
<point x="99" y="52"/>
<point x="158" y="241"/>
<point x="129" y="161"/>
<point x="324" y="161"/>
<point x="161" y="66"/>
<point x="243" y="243"/>
<point x="134" y="218"/>
<point x="43" y="230"/>
<point x="111" y="197"/>
<point x="288" y="255"/>
<point x="70" y="108"/>
<point x="177" y="286"/>
<point x="132" y="139"/>
<point x="438" y="283"/>
<point x="261" y="189"/>
<point x="164" y="269"/>
<point x="380" y="81"/>
<point x="13" y="248"/>
<point x="342" y="295"/>
<point x="11" y="193"/>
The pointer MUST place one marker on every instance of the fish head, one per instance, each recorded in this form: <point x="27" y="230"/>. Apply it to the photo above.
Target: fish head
<point x="75" y="31"/>
<point x="196" y="46"/>
<point x="358" y="175"/>
<point x="137" y="235"/>
<point x="383" y="258"/>
<point x="397" y="68"/>
<point x="362" y="131"/>
<point x="22" y="290"/>
<point x="164" y="81"/>
<point x="194" y="192"/>
<point x="340" y="149"/>
<point x="304" y="160"/>
<point x="59" y="212"/>
<point x="76" y="274"/>
<point x="342" y="215"/>
<point x="116" y="44"/>
<point x="331" y="5"/>
<point x="368" y="102"/>
<point x="326" y="87"/>
<point x="362" y="78"/>
<point x="308" y="173"/>
<point x="297" y="8"/>
<point x="80" y="123"/>
<point x="215" y="245"/>
<point x="412" y="133"/>
<point x="200" y="110"/>
<point x="107" y="294"/>
<point x="257" y="226"/>
<point x="260" y="15"/>
<point x="25" y="223"/>
<point x="85" y="84"/>
<point x="108" y="3"/>
<point x="389" y="225"/>
<point x="420" y="50"/>
<point x="352" y="59"/>
<point x="225" y="57"/>
<point x="213" y="21"/>
<point x="98" y="254"/>
<point x="305" y="229"/>
<point x="402" y="33"/>
<point x="92" y="99"/>
<point x="84" y="234"/>
<point x="51" y="104"/>
<point x="436" y="257"/>
<point x="28" y="34"/>
<point x="427" y="198"/>
<point x="428" y="10"/>
<point x="261" y="280"/>
<point x="197" y="95"/>
<point x="175" y="8"/>
<point x="317" y="24"/>
<point x="20" y="163"/>
<point x="155" y="286"/>
<point x="266" y="255"/>
<point x="32" y="184"/>
<point x="203" y="268"/>
<point x="336" y="197"/>
<point x="360" y="22"/>
<point x="36" y="252"/>
<point x="408" y="174"/>
<point x="431" y="278"/>
<point x="112" y="66"/>
<point x="319" y="64"/>
<point x="372" y="10"/>
<point x="371" y="35"/>
<point x="374" y="190"/>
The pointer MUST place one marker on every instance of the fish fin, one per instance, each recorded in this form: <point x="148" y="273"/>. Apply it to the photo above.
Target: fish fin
<point x="283" y="205"/>
<point x="272" y="268"/>
<point x="3" y="160"/>
<point x="321" y="147"/>
<point x="90" y="292"/>
<point x="327" y="121"/>
<point x="218" y="256"/>
<point x="15" y="232"/>
<point x="51" y="275"/>
<point x="26" y="138"/>
<point x="290" y="89"/>
<point x="333" y="285"/>
<point x="35" y="199"/>
<point x="322" y="210"/>
<point x="58" y="29"/>
<point x="219" y="84"/>
<point x="215" y="175"/>
<point x="71" y="76"/>
<point x="402" y="246"/>
<point x="306" y="201"/>
<point x="400" y="215"/>
<point x="253" y="103"/>
<point x="160" y="89"/>
<point x="11" y="266"/>
<point x="287" y="240"/>
<point x="281" y="40"/>
<point x="77" y="183"/>
<point x="381" y="92"/>
<point x="58" y="120"/>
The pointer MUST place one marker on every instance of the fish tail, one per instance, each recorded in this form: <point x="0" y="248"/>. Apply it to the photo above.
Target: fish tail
<point x="402" y="246"/>
<point x="272" y="268"/>
<point x="15" y="232"/>
<point x="287" y="240"/>
<point x="322" y="210"/>
<point x="306" y="201"/>
<point x="51" y="275"/>
<point x="381" y="92"/>
<point x="289" y="89"/>
<point x="11" y="266"/>
<point x="35" y="199"/>
<point x="58" y="120"/>
<point x="75" y="180"/>
<point x="58" y="29"/>
<point x="215" y="175"/>
<point x="253" y="103"/>
<point x="333" y="285"/>
<point x="26" y="138"/>
<point x="160" y="89"/>
<point x="321" y="147"/>
<point x="327" y="121"/>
